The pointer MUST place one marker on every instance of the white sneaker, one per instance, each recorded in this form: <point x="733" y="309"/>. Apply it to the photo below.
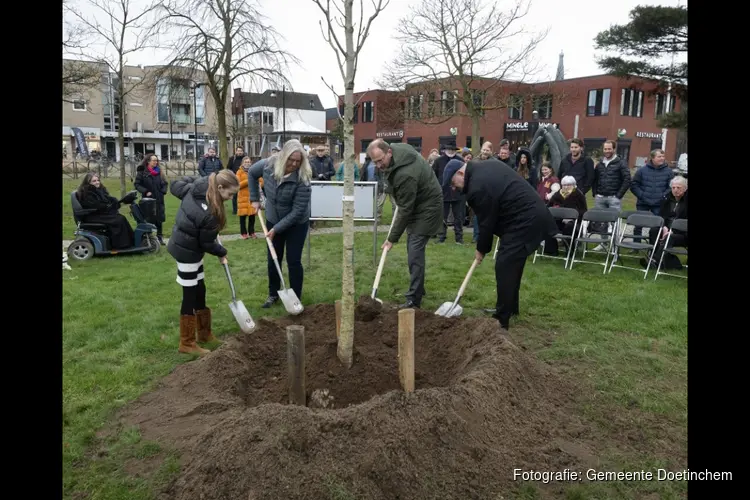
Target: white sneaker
<point x="599" y="248"/>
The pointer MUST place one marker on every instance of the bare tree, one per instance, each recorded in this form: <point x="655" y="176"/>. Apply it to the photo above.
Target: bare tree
<point x="119" y="29"/>
<point x="347" y="48"/>
<point x="478" y="49"/>
<point x="78" y="77"/>
<point x="228" y="41"/>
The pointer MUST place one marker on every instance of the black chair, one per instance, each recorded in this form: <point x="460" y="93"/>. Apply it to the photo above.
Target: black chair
<point x="628" y="241"/>
<point x="677" y="225"/>
<point x="607" y="237"/>
<point x="624" y="217"/>
<point x="79" y="213"/>
<point x="559" y="214"/>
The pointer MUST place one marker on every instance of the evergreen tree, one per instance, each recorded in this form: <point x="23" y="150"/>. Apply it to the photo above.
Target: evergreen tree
<point x="654" y="37"/>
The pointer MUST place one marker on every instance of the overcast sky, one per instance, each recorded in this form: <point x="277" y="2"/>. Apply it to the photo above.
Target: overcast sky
<point x="573" y="25"/>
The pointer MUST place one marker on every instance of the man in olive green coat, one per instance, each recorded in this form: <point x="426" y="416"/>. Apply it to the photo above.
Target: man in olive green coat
<point x="419" y="198"/>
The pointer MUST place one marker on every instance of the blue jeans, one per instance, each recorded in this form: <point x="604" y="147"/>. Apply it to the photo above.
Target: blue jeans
<point x="294" y="241"/>
<point x="638" y="230"/>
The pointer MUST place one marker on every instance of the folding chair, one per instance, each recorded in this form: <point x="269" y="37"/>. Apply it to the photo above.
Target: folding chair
<point x="561" y="214"/>
<point x="679" y="225"/>
<point x="650" y="221"/>
<point x="624" y="217"/>
<point x="610" y="216"/>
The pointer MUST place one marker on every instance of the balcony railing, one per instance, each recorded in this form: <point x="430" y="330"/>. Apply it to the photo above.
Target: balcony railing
<point x="182" y="119"/>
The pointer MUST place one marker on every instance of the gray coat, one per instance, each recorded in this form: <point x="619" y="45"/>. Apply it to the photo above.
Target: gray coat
<point x="287" y="202"/>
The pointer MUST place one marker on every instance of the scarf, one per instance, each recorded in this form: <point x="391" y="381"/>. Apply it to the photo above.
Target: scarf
<point x="154" y="171"/>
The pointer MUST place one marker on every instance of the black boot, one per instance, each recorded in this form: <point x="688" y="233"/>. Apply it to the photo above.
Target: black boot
<point x="271" y="300"/>
<point x="409" y="304"/>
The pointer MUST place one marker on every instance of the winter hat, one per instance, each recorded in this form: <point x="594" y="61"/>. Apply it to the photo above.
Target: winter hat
<point x="568" y="180"/>
<point x="451" y="168"/>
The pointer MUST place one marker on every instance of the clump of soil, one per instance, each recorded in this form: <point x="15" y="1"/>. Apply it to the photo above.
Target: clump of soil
<point x="481" y="408"/>
<point x="367" y="308"/>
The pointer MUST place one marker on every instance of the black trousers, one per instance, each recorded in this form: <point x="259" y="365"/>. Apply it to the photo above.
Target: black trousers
<point x="193" y="298"/>
<point x="244" y="226"/>
<point x="509" y="265"/>
<point x="458" y="208"/>
<point x="677" y="240"/>
<point x="234" y="204"/>
<point x="293" y="241"/>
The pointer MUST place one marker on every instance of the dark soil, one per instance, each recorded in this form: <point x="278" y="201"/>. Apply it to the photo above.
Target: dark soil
<point x="481" y="408"/>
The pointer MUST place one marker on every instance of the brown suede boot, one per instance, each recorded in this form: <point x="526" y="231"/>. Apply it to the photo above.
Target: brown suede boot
<point x="187" y="336"/>
<point x="204" y="326"/>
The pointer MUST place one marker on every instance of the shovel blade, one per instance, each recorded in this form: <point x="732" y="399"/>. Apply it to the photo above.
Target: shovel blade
<point x="448" y="310"/>
<point x="291" y="302"/>
<point x="240" y="313"/>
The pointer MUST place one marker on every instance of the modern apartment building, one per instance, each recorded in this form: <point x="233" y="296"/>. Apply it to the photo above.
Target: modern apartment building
<point x="594" y="109"/>
<point x="262" y="120"/>
<point x="161" y="115"/>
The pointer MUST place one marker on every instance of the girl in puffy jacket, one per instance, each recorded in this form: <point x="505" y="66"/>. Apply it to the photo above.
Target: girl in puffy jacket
<point x="200" y="218"/>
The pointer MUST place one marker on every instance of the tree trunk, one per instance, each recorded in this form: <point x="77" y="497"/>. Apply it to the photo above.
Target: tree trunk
<point x="221" y="119"/>
<point x="476" y="147"/>
<point x="121" y="130"/>
<point x="346" y="338"/>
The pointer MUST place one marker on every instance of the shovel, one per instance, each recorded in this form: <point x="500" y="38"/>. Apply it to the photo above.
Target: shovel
<point x="453" y="310"/>
<point x="382" y="262"/>
<point x="290" y="300"/>
<point x="247" y="325"/>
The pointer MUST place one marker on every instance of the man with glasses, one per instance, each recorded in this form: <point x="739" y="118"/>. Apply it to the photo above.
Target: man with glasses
<point x="419" y="197"/>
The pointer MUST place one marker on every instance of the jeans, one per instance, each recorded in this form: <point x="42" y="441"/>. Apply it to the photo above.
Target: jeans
<point x="415" y="256"/>
<point x="607" y="202"/>
<point x="638" y="230"/>
<point x="475" y="222"/>
<point x="293" y="239"/>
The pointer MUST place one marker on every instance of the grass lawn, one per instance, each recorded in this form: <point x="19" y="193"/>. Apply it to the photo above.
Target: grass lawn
<point x="624" y="338"/>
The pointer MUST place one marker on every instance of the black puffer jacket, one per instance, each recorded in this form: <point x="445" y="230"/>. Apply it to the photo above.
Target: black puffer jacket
<point x="195" y="228"/>
<point x="612" y="179"/>
<point x="582" y="170"/>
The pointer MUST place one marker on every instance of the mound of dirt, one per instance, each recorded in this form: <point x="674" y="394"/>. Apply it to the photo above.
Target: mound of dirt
<point x="481" y="408"/>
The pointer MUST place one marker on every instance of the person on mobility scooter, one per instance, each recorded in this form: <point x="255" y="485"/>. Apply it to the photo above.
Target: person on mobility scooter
<point x="101" y="229"/>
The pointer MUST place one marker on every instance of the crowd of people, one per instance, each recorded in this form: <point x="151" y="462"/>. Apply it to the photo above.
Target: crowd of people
<point x="507" y="194"/>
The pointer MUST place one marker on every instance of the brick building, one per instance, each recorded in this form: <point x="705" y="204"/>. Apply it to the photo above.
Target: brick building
<point x="592" y="108"/>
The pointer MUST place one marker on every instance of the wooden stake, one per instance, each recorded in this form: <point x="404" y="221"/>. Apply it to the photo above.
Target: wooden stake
<point x="337" y="306"/>
<point x="406" y="349"/>
<point x="295" y="357"/>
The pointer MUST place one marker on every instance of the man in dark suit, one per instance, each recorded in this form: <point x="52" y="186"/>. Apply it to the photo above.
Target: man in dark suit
<point x="507" y="206"/>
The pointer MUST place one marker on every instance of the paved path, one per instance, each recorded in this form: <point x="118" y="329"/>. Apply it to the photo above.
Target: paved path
<point x="323" y="230"/>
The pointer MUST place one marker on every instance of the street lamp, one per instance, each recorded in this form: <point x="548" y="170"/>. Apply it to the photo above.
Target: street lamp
<point x="194" y="88"/>
<point x="283" y="110"/>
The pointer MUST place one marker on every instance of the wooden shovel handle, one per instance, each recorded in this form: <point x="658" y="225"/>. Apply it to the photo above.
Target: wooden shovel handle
<point x="467" y="278"/>
<point x="265" y="232"/>
<point x="380" y="269"/>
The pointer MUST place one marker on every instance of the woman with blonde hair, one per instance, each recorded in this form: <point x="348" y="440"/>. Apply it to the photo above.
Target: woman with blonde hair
<point x="200" y="218"/>
<point x="286" y="183"/>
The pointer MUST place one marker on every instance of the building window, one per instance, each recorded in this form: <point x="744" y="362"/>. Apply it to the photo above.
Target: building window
<point x="468" y="141"/>
<point x="543" y="106"/>
<point x="478" y="97"/>
<point x="364" y="143"/>
<point x="341" y="110"/>
<point x="79" y="105"/>
<point x="355" y="115"/>
<point x="312" y="104"/>
<point x="110" y="102"/>
<point x="661" y="103"/>
<point x="200" y="105"/>
<point x="431" y="104"/>
<point x="515" y="107"/>
<point x="267" y="117"/>
<point x="368" y="112"/>
<point x="415" y="106"/>
<point x="598" y="104"/>
<point x="631" y="103"/>
<point x="448" y="100"/>
<point x="415" y="142"/>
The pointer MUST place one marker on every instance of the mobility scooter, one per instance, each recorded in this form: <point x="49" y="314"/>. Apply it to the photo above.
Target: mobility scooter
<point x="92" y="238"/>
